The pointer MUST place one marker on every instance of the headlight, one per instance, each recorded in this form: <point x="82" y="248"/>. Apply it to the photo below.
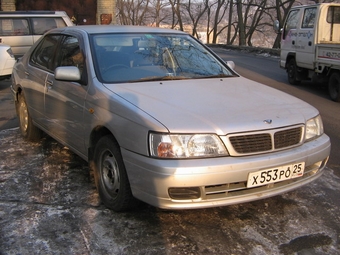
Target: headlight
<point x="10" y="53"/>
<point x="186" y="146"/>
<point x="314" y="128"/>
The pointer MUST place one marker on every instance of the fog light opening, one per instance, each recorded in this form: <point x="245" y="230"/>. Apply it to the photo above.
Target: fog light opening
<point x="185" y="193"/>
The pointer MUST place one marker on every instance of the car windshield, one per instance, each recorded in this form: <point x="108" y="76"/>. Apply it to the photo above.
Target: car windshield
<point x="151" y="57"/>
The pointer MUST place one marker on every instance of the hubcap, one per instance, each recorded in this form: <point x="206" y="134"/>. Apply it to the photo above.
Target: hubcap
<point x="23" y="116"/>
<point x="110" y="175"/>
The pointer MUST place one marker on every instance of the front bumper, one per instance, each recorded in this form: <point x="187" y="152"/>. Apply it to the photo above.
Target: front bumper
<point x="7" y="67"/>
<point x="221" y="181"/>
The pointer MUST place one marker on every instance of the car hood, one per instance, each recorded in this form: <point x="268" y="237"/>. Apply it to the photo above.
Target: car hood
<point x="219" y="106"/>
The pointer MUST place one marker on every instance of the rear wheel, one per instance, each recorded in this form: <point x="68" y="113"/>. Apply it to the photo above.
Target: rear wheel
<point x="292" y="72"/>
<point x="334" y="87"/>
<point x="110" y="175"/>
<point x="27" y="128"/>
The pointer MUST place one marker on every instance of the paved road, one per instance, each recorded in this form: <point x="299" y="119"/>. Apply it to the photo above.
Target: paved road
<point x="49" y="205"/>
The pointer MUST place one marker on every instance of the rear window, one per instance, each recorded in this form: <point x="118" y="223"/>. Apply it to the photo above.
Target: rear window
<point x="333" y="15"/>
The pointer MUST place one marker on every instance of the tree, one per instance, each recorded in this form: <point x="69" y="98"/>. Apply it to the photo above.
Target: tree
<point x="241" y="24"/>
<point x="281" y="10"/>
<point x="219" y="8"/>
<point x="133" y="12"/>
<point x="231" y="39"/>
<point x="159" y="16"/>
<point x="177" y="16"/>
<point x="195" y="10"/>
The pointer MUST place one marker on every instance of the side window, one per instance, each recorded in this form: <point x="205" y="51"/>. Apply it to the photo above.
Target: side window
<point x="42" y="25"/>
<point x="43" y="56"/>
<point x="309" y="18"/>
<point x="71" y="54"/>
<point x="291" y="22"/>
<point x="333" y="15"/>
<point x="11" y="27"/>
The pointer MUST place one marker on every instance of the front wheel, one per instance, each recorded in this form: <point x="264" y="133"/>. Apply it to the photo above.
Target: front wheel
<point x="334" y="87"/>
<point x="292" y="72"/>
<point x="27" y="128"/>
<point x="110" y="175"/>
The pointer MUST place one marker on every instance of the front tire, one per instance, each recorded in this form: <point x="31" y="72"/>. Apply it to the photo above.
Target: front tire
<point x="334" y="87"/>
<point x="292" y="72"/>
<point x="27" y="128"/>
<point x="110" y="176"/>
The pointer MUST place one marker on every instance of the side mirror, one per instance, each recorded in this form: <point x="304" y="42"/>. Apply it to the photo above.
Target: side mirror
<point x="67" y="73"/>
<point x="231" y="64"/>
<point x="276" y="26"/>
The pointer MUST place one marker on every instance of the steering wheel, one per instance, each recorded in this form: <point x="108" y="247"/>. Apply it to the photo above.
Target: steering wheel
<point x="116" y="66"/>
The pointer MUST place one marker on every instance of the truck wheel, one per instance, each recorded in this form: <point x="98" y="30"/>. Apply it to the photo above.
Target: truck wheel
<point x="27" y="128"/>
<point x="334" y="86"/>
<point x="292" y="72"/>
<point x="110" y="175"/>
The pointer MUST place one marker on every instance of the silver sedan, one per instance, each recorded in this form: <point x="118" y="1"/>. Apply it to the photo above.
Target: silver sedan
<point x="162" y="119"/>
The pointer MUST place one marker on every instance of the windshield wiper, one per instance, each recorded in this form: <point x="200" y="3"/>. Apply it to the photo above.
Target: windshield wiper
<point x="222" y="75"/>
<point x="162" y="78"/>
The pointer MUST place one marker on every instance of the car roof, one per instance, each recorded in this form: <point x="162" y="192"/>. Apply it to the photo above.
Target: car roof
<point x="4" y="45"/>
<point x="31" y="13"/>
<point x="100" y="29"/>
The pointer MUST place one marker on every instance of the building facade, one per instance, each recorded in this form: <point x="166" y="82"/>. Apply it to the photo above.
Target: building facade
<point x="106" y="12"/>
<point x="7" y="5"/>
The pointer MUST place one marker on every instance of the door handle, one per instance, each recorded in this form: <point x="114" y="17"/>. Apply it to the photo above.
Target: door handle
<point x="293" y="42"/>
<point x="49" y="85"/>
<point x="309" y="43"/>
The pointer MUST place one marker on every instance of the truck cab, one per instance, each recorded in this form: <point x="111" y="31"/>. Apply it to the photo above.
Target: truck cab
<point x="310" y="45"/>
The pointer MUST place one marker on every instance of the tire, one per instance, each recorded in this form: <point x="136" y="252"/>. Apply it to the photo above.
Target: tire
<point x="27" y="128"/>
<point x="292" y="72"/>
<point x="334" y="86"/>
<point x="110" y="176"/>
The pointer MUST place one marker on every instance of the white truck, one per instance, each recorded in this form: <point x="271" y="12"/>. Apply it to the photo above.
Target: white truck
<point x="310" y="45"/>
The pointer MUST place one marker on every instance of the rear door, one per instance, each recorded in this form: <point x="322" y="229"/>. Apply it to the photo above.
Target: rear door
<point x="40" y="65"/>
<point x="64" y="101"/>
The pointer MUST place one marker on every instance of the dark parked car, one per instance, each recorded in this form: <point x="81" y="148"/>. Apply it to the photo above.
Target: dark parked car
<point x="161" y="118"/>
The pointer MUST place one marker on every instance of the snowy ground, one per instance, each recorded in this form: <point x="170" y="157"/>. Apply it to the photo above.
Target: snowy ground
<point x="49" y="205"/>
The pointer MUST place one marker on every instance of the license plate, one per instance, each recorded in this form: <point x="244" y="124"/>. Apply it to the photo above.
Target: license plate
<point x="277" y="174"/>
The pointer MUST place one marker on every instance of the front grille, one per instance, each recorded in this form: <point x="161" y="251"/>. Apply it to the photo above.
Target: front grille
<point x="287" y="138"/>
<point x="269" y="140"/>
<point x="251" y="143"/>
